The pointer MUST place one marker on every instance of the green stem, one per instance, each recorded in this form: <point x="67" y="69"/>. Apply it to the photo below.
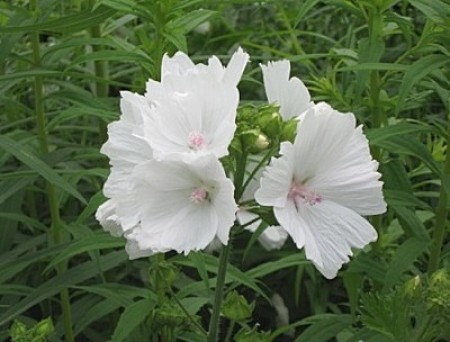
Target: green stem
<point x="101" y="72"/>
<point x="239" y="176"/>
<point x="56" y="226"/>
<point x="213" y="333"/>
<point x="441" y="212"/>
<point x="230" y="331"/>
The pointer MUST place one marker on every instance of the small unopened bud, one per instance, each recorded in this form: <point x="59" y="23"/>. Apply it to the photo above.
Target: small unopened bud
<point x="262" y="142"/>
<point x="413" y="287"/>
<point x="289" y="130"/>
<point x="236" y="307"/>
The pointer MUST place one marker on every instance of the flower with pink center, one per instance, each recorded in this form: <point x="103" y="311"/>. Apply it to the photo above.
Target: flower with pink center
<point x="181" y="206"/>
<point x="196" y="141"/>
<point x="199" y="195"/>
<point x="321" y="185"/>
<point x="195" y="107"/>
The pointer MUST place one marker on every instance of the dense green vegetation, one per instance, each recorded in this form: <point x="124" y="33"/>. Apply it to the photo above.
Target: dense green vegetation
<point x="63" y="64"/>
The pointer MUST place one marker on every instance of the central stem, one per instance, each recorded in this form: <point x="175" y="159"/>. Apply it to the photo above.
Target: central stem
<point x="215" y="317"/>
<point x="441" y="212"/>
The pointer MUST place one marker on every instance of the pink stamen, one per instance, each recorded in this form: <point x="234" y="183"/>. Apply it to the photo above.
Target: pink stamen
<point x="299" y="191"/>
<point x="199" y="195"/>
<point x="196" y="141"/>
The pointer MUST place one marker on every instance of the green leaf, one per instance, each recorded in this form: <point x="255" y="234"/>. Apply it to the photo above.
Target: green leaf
<point x="403" y="259"/>
<point x="416" y="72"/>
<point x="38" y="165"/>
<point x="71" y="23"/>
<point x="325" y="328"/>
<point x="133" y="315"/>
<point x="97" y="241"/>
<point x="199" y="262"/>
<point x="71" y="277"/>
<point x="191" y="20"/>
<point x="292" y="260"/>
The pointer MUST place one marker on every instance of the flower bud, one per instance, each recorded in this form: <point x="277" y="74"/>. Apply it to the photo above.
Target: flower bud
<point x="44" y="328"/>
<point x="247" y="335"/>
<point x="289" y="130"/>
<point x="236" y="307"/>
<point x="413" y="287"/>
<point x="162" y="275"/>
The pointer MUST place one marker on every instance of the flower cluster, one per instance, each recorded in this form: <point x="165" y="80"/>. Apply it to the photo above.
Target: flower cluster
<point x="168" y="189"/>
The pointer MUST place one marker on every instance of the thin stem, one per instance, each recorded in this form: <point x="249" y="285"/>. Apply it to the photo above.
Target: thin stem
<point x="180" y="305"/>
<point x="56" y="226"/>
<point x="230" y="331"/>
<point x="101" y="72"/>
<point x="441" y="213"/>
<point x="213" y="333"/>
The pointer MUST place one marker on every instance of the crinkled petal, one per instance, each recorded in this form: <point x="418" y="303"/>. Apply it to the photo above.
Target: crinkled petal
<point x="235" y="67"/>
<point x="106" y="215"/>
<point x="290" y="94"/>
<point x="289" y="218"/>
<point x="331" y="230"/>
<point x="336" y="161"/>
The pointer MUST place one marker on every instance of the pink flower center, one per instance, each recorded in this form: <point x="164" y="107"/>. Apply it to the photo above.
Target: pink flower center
<point x="199" y="195"/>
<point x="196" y="141"/>
<point x="300" y="192"/>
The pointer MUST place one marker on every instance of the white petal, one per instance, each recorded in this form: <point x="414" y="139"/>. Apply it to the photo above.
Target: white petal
<point x="209" y="109"/>
<point x="336" y="161"/>
<point x="168" y="217"/>
<point x="289" y="218"/>
<point x="276" y="180"/>
<point x="106" y="215"/>
<point x="290" y="94"/>
<point x="331" y="230"/>
<point x="178" y="64"/>
<point x="235" y="67"/>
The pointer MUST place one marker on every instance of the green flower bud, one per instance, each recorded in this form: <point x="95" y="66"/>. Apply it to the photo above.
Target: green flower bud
<point x="162" y="275"/>
<point x="246" y="335"/>
<point x="262" y="142"/>
<point x="439" y="290"/>
<point x="289" y="130"/>
<point x="18" y="331"/>
<point x="413" y="287"/>
<point x="44" y="328"/>
<point x="236" y="307"/>
<point x="270" y="123"/>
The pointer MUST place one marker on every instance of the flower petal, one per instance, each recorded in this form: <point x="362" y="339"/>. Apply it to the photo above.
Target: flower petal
<point x="331" y="230"/>
<point x="336" y="161"/>
<point x="277" y="179"/>
<point x="290" y="94"/>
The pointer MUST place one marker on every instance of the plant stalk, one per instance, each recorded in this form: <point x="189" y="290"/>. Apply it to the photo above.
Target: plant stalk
<point x="213" y="332"/>
<point x="56" y="225"/>
<point x="441" y="212"/>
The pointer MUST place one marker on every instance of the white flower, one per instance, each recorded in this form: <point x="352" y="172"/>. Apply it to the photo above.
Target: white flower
<point x="126" y="148"/>
<point x="290" y="94"/>
<point x="321" y="185"/>
<point x="195" y="107"/>
<point x="181" y="206"/>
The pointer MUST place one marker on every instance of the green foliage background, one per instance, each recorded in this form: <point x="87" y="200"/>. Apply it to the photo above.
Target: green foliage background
<point x="63" y="64"/>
